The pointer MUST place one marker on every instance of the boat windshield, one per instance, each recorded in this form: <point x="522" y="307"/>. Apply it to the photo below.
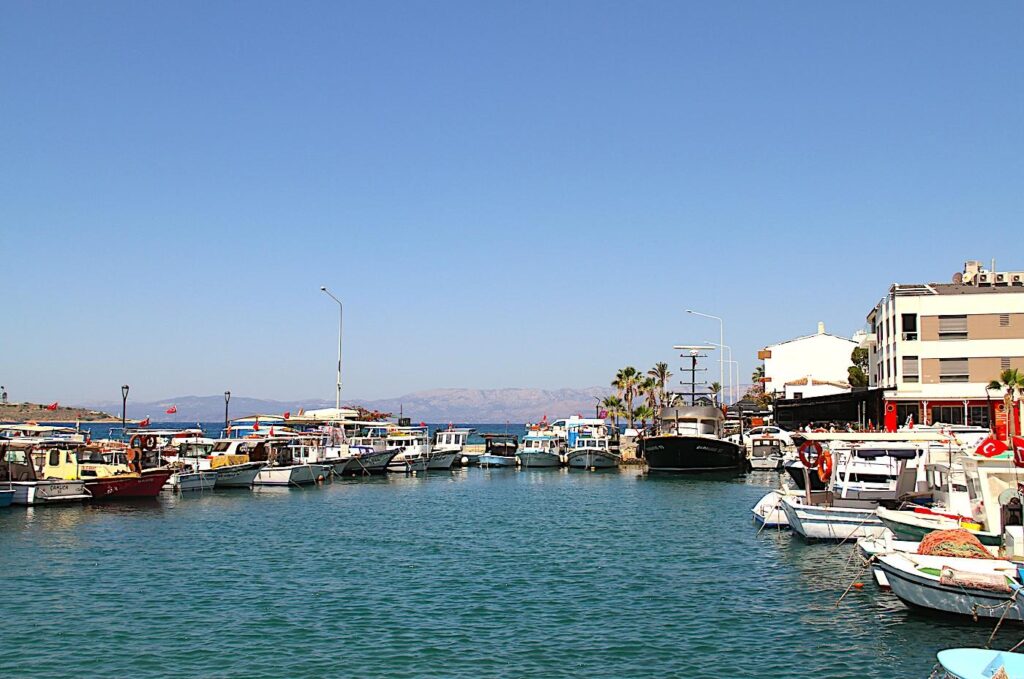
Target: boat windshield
<point x="690" y="425"/>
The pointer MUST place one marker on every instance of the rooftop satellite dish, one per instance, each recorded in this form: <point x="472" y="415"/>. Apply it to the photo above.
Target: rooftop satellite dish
<point x="958" y="278"/>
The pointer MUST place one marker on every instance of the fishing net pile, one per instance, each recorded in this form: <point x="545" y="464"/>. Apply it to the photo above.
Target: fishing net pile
<point x="955" y="542"/>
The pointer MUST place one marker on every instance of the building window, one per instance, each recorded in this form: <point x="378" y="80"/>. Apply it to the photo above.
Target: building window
<point x="887" y="327"/>
<point x="905" y="410"/>
<point x="798" y="394"/>
<point x="952" y="327"/>
<point x="1004" y="320"/>
<point x="953" y="370"/>
<point x="978" y="416"/>
<point x="911" y="372"/>
<point x="54" y="457"/>
<point x="909" y="327"/>
<point x="1004" y="363"/>
<point x="948" y="414"/>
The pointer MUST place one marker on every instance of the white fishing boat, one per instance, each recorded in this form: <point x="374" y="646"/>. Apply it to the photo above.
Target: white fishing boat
<point x="593" y="453"/>
<point x="228" y="457"/>
<point x="768" y="510"/>
<point x="764" y="453"/>
<point x="281" y="469"/>
<point x="448" y="446"/>
<point x="818" y="520"/>
<point x="411" y="446"/>
<point x="540" y="449"/>
<point x="984" y="588"/>
<point x="24" y="471"/>
<point x="186" y="479"/>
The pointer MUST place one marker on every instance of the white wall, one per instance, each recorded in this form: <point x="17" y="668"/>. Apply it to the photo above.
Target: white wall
<point x="810" y="390"/>
<point x="822" y="357"/>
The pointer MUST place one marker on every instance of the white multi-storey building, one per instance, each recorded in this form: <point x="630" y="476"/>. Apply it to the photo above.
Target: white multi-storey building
<point x="812" y="365"/>
<point x="935" y="347"/>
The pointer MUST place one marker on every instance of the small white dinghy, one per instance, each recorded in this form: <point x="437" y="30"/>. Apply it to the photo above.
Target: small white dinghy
<point x="768" y="510"/>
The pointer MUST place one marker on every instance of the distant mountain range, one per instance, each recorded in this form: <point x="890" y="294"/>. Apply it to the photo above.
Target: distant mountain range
<point x="434" y="405"/>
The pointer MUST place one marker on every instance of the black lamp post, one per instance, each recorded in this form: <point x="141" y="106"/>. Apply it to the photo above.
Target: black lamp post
<point x="124" y="405"/>
<point x="227" y="398"/>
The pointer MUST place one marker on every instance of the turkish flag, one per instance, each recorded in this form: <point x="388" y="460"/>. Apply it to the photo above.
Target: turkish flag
<point x="271" y="431"/>
<point x="287" y="414"/>
<point x="52" y="406"/>
<point x="144" y="423"/>
<point x="1018" y="451"/>
<point x="991" y="447"/>
<point x="172" y="410"/>
<point x="256" y="425"/>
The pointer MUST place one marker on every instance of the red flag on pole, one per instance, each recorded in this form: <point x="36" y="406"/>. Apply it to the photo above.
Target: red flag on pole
<point x="256" y="425"/>
<point x="287" y="414"/>
<point x="172" y="410"/>
<point x="271" y="430"/>
<point x="1018" y="451"/>
<point x="144" y="423"/>
<point x="52" y="406"/>
<point x="991" y="447"/>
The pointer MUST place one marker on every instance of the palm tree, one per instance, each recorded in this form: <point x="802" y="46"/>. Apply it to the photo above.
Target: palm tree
<point x="715" y="389"/>
<point x="1013" y="382"/>
<point x="649" y="389"/>
<point x="615" y="407"/>
<point x="626" y="382"/>
<point x="758" y="375"/>
<point x="661" y="375"/>
<point x="643" y="413"/>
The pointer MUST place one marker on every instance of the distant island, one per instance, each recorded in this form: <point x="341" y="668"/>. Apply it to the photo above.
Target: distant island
<point x="38" y="412"/>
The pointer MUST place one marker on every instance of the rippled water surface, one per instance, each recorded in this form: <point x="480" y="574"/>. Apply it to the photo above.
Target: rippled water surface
<point x="542" y="573"/>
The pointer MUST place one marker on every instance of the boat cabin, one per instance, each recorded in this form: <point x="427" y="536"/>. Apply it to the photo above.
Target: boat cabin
<point x="691" y="421"/>
<point x="541" y="443"/>
<point x="452" y="438"/>
<point x="504" y="445"/>
<point x="39" y="461"/>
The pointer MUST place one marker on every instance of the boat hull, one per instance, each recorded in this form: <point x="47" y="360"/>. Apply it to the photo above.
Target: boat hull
<point x="768" y="511"/>
<point x="238" y="475"/>
<point x="831" y="523"/>
<point x="127" y="486"/>
<point x="913" y="527"/>
<point x="442" y="461"/>
<point x="921" y="591"/>
<point x="586" y="458"/>
<point x="189" y="481"/>
<point x="292" y="475"/>
<point x="6" y="497"/>
<point x="368" y="464"/>
<point x="539" y="459"/>
<point x="48" y="492"/>
<point x="496" y="460"/>
<point x="691" y="454"/>
<point x="768" y="464"/>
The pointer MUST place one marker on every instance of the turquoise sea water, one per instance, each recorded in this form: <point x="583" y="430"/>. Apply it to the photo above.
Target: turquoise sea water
<point x="543" y="573"/>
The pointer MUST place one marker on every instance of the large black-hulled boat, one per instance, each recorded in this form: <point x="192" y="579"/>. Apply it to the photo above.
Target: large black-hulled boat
<point x="689" y="440"/>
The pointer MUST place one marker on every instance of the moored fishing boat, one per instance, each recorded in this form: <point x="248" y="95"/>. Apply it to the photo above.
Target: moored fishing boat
<point x="592" y="452"/>
<point x="539" y="449"/>
<point x="499" y="450"/>
<point x="368" y="452"/>
<point x="979" y="663"/>
<point x="970" y="587"/>
<point x="280" y="468"/>
<point x="913" y="525"/>
<point x="228" y="457"/>
<point x="764" y="453"/>
<point x="184" y="478"/>
<point x="768" y="510"/>
<point x="448" y="446"/>
<point x="25" y="472"/>
<point x="6" y="496"/>
<point x="411" y="446"/>
<point x="689" y="440"/>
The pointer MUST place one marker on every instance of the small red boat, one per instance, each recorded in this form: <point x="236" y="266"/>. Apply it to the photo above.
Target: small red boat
<point x="122" y="486"/>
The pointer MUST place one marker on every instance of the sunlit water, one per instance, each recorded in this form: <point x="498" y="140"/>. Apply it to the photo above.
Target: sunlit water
<point x="542" y="573"/>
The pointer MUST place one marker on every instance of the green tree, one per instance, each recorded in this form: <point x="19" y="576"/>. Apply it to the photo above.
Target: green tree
<point x="1012" y="381"/>
<point x="626" y="382"/>
<point x="615" y="407"/>
<point x="661" y="376"/>
<point x="858" y="372"/>
<point x="715" y="390"/>
<point x="643" y="413"/>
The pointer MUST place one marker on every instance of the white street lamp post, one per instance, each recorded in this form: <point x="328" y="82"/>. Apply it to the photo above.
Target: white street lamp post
<point x="732" y="384"/>
<point x="721" y="342"/>
<point x="341" y="317"/>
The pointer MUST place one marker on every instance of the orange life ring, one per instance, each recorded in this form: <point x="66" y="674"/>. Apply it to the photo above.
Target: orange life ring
<point x="149" y="442"/>
<point x="135" y="441"/>
<point x="825" y="466"/>
<point x="810" y="461"/>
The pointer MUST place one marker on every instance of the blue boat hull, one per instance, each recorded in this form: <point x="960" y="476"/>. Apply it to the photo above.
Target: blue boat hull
<point x="6" y="497"/>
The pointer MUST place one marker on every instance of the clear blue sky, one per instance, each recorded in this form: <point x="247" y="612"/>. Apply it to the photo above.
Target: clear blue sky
<point x="504" y="194"/>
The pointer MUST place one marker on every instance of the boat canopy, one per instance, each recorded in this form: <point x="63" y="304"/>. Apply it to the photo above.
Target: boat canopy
<point x="895" y="453"/>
